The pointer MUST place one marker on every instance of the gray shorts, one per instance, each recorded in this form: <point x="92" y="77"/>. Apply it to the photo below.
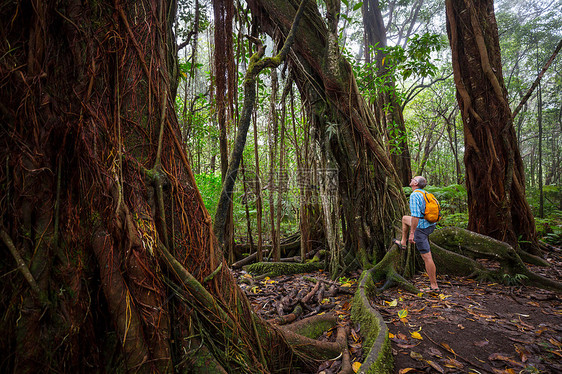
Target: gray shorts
<point x="421" y="237"/>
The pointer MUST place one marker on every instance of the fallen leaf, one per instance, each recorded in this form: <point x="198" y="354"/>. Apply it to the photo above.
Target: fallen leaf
<point x="448" y="348"/>
<point x="355" y="336"/>
<point x="401" y="336"/>
<point x="452" y="363"/>
<point x="555" y="342"/>
<point x="501" y="357"/>
<point x="435" y="352"/>
<point x="436" y="366"/>
<point x="416" y="335"/>
<point x="403" y="313"/>
<point x="391" y="335"/>
<point x="405" y="370"/>
<point x="392" y="303"/>
<point x="406" y="346"/>
<point x="460" y="326"/>
<point x="356" y="366"/>
<point x="416" y="356"/>
<point x="417" y="310"/>
<point x="506" y="371"/>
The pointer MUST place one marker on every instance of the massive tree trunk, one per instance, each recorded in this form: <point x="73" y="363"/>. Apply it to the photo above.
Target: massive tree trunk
<point x="497" y="205"/>
<point x="389" y="105"/>
<point x="367" y="181"/>
<point x="108" y="258"/>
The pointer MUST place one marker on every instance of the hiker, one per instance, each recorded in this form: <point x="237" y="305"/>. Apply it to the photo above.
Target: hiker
<point x="421" y="231"/>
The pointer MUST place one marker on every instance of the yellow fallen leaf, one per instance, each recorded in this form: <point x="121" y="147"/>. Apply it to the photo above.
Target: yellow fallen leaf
<point x="555" y="342"/>
<point x="391" y="335"/>
<point x="405" y="370"/>
<point x="392" y="303"/>
<point x="403" y="313"/>
<point x="416" y="335"/>
<point x="356" y="366"/>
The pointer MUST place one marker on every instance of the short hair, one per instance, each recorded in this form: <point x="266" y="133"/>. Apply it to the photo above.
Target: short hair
<point x="422" y="182"/>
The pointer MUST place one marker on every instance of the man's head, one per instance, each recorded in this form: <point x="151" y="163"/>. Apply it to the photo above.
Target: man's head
<point x="418" y="182"/>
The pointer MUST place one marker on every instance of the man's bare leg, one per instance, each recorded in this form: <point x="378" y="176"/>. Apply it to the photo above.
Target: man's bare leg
<point x="406" y="224"/>
<point x="430" y="269"/>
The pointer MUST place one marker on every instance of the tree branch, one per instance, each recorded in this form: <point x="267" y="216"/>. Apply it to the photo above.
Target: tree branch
<point x="536" y="82"/>
<point x="22" y="267"/>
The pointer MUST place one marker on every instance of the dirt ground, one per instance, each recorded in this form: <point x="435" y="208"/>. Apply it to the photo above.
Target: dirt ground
<point x="468" y="327"/>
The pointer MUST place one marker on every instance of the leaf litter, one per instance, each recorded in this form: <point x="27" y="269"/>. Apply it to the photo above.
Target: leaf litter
<point x="470" y="327"/>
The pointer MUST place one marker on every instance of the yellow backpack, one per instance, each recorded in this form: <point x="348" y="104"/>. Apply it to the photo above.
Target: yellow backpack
<point x="432" y="211"/>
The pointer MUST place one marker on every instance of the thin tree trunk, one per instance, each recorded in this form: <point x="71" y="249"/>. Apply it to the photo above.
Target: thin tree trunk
<point x="257" y="189"/>
<point x="272" y="140"/>
<point x="282" y="180"/>
<point x="539" y="120"/>
<point x="246" y="207"/>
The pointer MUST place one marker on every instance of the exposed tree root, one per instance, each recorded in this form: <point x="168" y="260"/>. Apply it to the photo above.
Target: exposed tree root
<point x="455" y="251"/>
<point x="471" y="245"/>
<point x="282" y="268"/>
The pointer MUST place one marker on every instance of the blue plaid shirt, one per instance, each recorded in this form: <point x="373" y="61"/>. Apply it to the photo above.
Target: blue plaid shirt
<point x="417" y="207"/>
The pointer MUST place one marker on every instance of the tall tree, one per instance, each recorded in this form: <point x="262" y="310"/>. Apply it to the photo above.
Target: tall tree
<point x="367" y="181"/>
<point x="225" y="81"/>
<point x="497" y="204"/>
<point x="389" y="104"/>
<point x="117" y="265"/>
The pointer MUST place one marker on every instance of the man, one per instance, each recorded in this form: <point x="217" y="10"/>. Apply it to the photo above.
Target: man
<point x="421" y="231"/>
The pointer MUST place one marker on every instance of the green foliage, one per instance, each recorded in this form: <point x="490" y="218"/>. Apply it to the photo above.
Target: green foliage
<point x="210" y="187"/>
<point x="550" y="228"/>
<point x="514" y="280"/>
<point x="416" y="59"/>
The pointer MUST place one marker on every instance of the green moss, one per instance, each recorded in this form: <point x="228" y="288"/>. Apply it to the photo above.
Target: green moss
<point x="373" y="330"/>
<point x="316" y="329"/>
<point x="282" y="268"/>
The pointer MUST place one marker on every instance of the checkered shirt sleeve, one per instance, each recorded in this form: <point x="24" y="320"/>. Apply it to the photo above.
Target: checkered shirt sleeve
<point x="417" y="205"/>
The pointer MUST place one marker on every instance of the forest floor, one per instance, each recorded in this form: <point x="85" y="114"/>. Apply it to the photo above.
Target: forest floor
<point x="468" y="327"/>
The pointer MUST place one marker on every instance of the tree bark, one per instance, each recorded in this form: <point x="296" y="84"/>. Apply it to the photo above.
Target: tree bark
<point x="100" y="203"/>
<point x="497" y="205"/>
